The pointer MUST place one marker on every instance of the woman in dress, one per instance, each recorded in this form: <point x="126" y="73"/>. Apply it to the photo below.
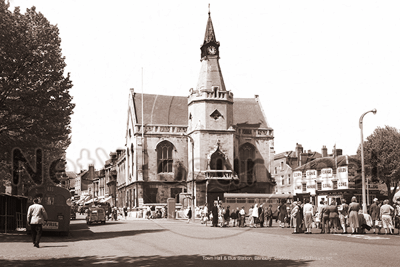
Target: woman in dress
<point x="354" y="207"/>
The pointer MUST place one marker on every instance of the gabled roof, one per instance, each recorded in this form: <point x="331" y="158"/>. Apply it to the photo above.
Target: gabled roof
<point x="161" y="109"/>
<point x="173" y="110"/>
<point x="248" y="111"/>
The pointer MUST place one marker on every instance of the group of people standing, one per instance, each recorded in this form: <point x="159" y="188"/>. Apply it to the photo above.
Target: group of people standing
<point x="222" y="216"/>
<point x="303" y="217"/>
<point x="335" y="218"/>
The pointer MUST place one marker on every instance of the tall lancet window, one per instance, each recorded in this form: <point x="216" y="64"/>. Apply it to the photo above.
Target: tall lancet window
<point x="164" y="157"/>
<point x="247" y="159"/>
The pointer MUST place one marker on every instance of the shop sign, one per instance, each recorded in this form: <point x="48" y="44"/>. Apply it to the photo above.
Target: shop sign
<point x="326" y="186"/>
<point x="297" y="175"/>
<point x="326" y="173"/>
<point x="311" y="174"/>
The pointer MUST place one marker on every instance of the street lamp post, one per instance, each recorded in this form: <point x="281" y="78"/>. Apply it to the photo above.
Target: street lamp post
<point x="193" y="208"/>
<point x="364" y="205"/>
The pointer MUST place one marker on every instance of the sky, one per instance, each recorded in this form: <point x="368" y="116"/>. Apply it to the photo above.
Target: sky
<point x="316" y="65"/>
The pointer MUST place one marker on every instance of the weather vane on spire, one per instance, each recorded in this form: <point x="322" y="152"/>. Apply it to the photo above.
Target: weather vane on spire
<point x="209" y="9"/>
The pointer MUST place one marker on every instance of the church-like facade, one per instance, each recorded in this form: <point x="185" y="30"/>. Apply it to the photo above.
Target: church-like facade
<point x="203" y="144"/>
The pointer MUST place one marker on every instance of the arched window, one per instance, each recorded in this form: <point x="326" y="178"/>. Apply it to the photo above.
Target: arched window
<point x="247" y="159"/>
<point x="218" y="162"/>
<point x="164" y="157"/>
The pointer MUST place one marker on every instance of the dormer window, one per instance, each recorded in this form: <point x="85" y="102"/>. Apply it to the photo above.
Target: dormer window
<point x="216" y="115"/>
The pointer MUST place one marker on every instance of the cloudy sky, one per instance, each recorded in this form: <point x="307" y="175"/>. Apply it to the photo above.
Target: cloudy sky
<point x="316" y="65"/>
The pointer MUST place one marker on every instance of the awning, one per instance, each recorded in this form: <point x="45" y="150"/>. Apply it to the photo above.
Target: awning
<point x="107" y="199"/>
<point x="83" y="199"/>
<point x="89" y="202"/>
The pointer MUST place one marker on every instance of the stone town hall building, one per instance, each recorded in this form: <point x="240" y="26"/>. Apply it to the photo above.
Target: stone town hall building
<point x="228" y="139"/>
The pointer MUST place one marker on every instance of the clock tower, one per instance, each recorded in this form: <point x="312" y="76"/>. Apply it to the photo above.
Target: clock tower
<point x="210" y="105"/>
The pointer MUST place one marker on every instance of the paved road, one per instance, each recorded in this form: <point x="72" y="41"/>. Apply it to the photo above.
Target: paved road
<point x="175" y="243"/>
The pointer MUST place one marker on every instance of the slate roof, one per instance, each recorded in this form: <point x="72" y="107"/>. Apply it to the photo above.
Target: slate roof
<point x="173" y="110"/>
<point x="247" y="110"/>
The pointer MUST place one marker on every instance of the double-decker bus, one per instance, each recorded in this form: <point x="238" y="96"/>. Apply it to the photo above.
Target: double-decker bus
<point x="57" y="202"/>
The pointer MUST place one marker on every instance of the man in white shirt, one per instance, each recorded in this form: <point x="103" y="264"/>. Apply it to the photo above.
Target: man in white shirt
<point x="36" y="217"/>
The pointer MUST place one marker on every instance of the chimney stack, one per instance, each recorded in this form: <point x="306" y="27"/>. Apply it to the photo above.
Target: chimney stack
<point x="91" y="171"/>
<point x="299" y="150"/>
<point x="324" y="152"/>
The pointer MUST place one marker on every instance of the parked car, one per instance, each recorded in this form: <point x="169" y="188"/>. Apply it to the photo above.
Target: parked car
<point x="95" y="215"/>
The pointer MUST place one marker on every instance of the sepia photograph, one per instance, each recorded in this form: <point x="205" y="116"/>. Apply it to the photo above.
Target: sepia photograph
<point x="199" y="133"/>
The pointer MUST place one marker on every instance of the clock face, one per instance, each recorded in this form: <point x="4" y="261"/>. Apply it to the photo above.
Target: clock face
<point x="212" y="50"/>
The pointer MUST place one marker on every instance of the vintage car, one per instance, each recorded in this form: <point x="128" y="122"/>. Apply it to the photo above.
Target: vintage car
<point x="95" y="215"/>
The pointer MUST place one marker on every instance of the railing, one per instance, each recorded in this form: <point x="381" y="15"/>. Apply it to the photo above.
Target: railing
<point x="210" y="94"/>
<point x="219" y="174"/>
<point x="255" y="132"/>
<point x="161" y="129"/>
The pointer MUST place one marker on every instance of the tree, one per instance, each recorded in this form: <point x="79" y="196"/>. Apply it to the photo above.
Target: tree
<point x="382" y="156"/>
<point x="35" y="103"/>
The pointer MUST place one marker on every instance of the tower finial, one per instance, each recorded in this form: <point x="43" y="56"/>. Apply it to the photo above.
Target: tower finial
<point x="209" y="12"/>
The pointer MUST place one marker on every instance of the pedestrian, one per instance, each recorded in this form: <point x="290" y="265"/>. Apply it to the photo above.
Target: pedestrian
<point x="386" y="217"/>
<point x="254" y="216"/>
<point x="242" y="217"/>
<point x="308" y="216"/>
<point x="282" y="215"/>
<point x="397" y="216"/>
<point x="354" y="207"/>
<point x="36" y="216"/>
<point x="343" y="215"/>
<point x="277" y="214"/>
<point x="325" y="218"/>
<point x="261" y="215"/>
<point x="269" y="216"/>
<point x="189" y="214"/>
<point x="319" y="211"/>
<point x="251" y="222"/>
<point x="294" y="213"/>
<point x="234" y="216"/>
<point x="214" y="213"/>
<point x="125" y="212"/>
<point x="288" y="212"/>
<point x="221" y="216"/>
<point x="374" y="212"/>
<point x="300" y="219"/>
<point x="227" y="215"/>
<point x="333" y="217"/>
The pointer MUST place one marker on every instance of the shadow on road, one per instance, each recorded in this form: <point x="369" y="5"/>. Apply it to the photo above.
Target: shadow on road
<point x="184" y="260"/>
<point x="77" y="235"/>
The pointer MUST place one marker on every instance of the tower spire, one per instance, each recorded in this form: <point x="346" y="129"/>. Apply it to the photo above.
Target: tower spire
<point x="210" y="34"/>
<point x="210" y="73"/>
